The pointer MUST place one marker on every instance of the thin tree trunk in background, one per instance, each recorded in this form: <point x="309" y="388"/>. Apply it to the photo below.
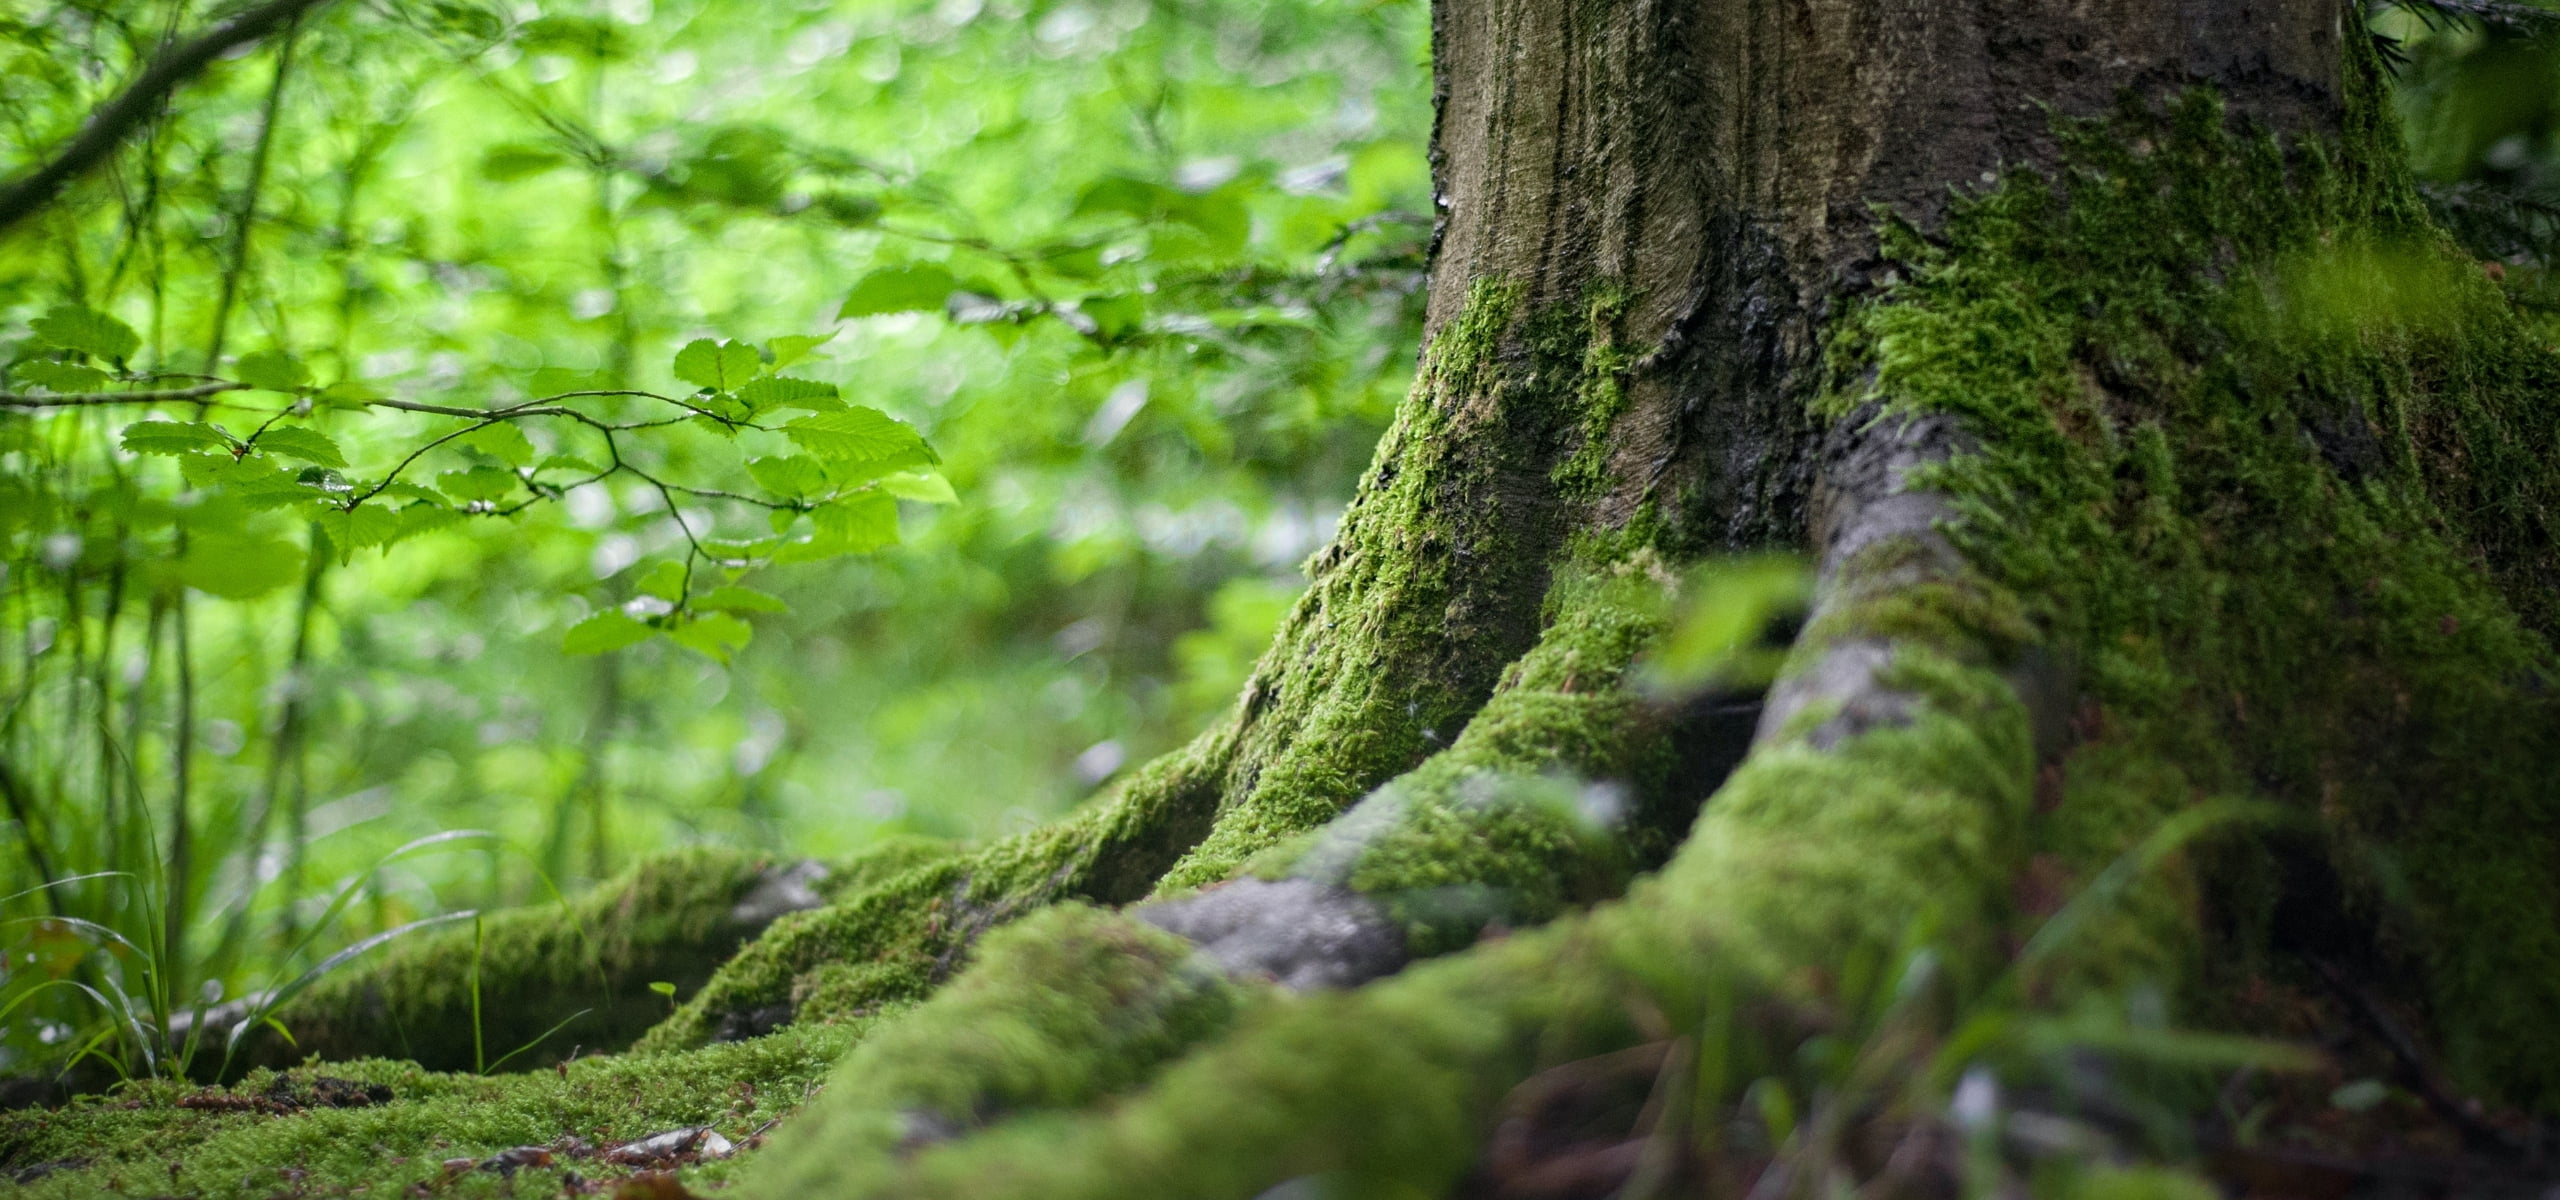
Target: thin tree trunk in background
<point x="178" y="873"/>
<point x="589" y="798"/>
<point x="245" y="221"/>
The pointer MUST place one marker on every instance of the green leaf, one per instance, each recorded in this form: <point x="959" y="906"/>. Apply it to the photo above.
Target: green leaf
<point x="350" y="394"/>
<point x="416" y="519"/>
<point x="923" y="487"/>
<point x="716" y="635"/>
<point x="1114" y="316"/>
<point x="257" y="484"/>
<point x="566" y="462"/>
<point x="61" y="376"/>
<point x="607" y="630"/>
<point x="782" y="391"/>
<point x="402" y="489"/>
<point x="271" y="370"/>
<point x="173" y="437"/>
<point x="72" y="327"/>
<point x="792" y="348"/>
<point x="477" y="483"/>
<point x="238" y="567"/>
<point x="1122" y="195"/>
<point x="917" y="287"/>
<point x="361" y="528"/>
<point x="858" y="435"/>
<point x="665" y="989"/>
<point x="510" y="161"/>
<point x="309" y="445"/>
<point x="796" y="478"/>
<point x="736" y="599"/>
<point x="501" y="441"/>
<point x="718" y="366"/>
<point x="664" y="579"/>
<point x="858" y="524"/>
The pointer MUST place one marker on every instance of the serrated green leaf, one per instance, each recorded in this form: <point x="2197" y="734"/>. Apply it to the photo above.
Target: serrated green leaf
<point x="795" y="478"/>
<point x="360" y="528"/>
<point x="858" y="435"/>
<point x="402" y="489"/>
<point x="100" y="335"/>
<point x="501" y="441"/>
<point x="914" y="288"/>
<point x="238" y="567"/>
<point x="61" y="376"/>
<point x="415" y="519"/>
<point x="664" y="579"/>
<point x="272" y="370"/>
<point x="605" y="631"/>
<point x="719" y="366"/>
<point x="737" y="599"/>
<point x="173" y="437"/>
<point x="717" y="636"/>
<point x="324" y="479"/>
<point x="858" y="524"/>
<point x="260" y="486"/>
<point x="566" y="462"/>
<point x="476" y="483"/>
<point x="781" y="391"/>
<point x="309" y="445"/>
<point x="794" y="347"/>
<point x="923" y="487"/>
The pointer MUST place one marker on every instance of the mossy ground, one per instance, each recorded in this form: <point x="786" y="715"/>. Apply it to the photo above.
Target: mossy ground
<point x="142" y="1141"/>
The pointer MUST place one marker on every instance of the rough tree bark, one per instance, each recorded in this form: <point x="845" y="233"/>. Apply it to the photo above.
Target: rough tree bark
<point x="2155" y="452"/>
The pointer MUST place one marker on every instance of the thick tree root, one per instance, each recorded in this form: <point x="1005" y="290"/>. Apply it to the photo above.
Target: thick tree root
<point x="1828" y="842"/>
<point x="549" y="979"/>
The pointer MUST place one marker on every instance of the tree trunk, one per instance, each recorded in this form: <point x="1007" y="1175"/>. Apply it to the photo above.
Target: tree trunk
<point x="2158" y="451"/>
<point x="2182" y="503"/>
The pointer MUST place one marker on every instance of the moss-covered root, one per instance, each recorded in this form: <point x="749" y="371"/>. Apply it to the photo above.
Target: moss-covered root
<point x="1807" y="855"/>
<point x="580" y="972"/>
<point x="1561" y="787"/>
<point x="382" y="1128"/>
<point x="1060" y="1009"/>
<point x="898" y="937"/>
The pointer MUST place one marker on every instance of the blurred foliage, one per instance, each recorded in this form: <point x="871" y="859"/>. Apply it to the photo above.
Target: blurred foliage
<point x="1100" y="306"/>
<point x="2479" y="95"/>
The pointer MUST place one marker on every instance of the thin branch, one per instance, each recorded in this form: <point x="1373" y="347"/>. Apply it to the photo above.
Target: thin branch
<point x="81" y="399"/>
<point x="109" y="126"/>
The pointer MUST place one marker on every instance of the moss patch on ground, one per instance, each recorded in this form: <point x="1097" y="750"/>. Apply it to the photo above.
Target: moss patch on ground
<point x="166" y="1138"/>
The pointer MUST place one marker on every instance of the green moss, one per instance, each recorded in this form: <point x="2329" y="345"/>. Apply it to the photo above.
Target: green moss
<point x="1806" y="857"/>
<point x="898" y="937"/>
<point x="666" y="920"/>
<point x="141" y="1141"/>
<point x="2273" y="461"/>
<point x="1552" y="797"/>
<point x="1066" y="1007"/>
<point x="1599" y="387"/>
<point x="1428" y="591"/>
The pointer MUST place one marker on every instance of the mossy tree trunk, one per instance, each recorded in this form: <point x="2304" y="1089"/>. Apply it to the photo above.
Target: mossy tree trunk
<point x="2156" y="452"/>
